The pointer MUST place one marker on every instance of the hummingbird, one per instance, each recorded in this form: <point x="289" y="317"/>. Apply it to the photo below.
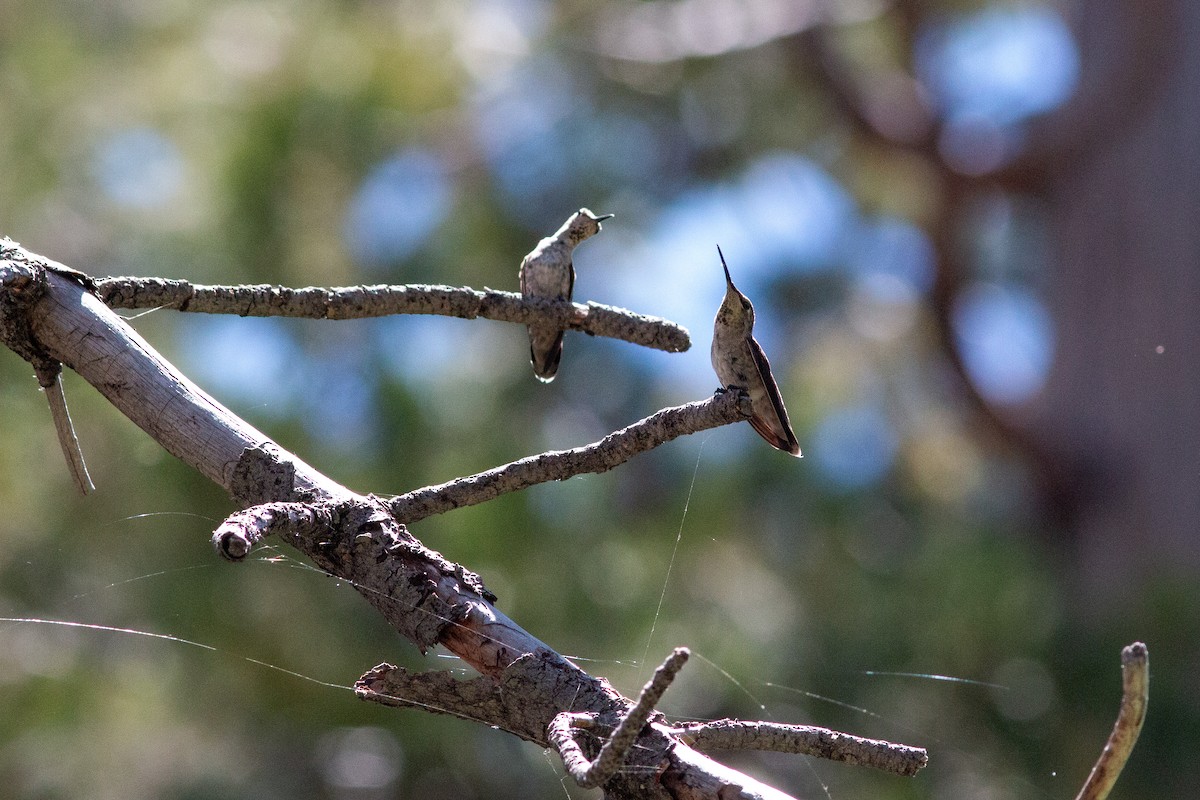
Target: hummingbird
<point x="548" y="272"/>
<point x="740" y="363"/>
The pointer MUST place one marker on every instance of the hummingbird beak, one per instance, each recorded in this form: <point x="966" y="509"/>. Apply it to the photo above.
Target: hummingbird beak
<point x="728" y="279"/>
<point x="603" y="217"/>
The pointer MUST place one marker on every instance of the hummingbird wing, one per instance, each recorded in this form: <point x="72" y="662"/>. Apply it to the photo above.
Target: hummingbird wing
<point x="523" y="277"/>
<point x="545" y="344"/>
<point x="547" y="368"/>
<point x="777" y="431"/>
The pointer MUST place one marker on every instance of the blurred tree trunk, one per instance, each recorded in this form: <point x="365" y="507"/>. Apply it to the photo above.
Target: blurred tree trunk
<point x="1124" y="394"/>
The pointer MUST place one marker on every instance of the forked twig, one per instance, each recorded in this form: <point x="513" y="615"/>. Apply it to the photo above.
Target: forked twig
<point x="561" y="732"/>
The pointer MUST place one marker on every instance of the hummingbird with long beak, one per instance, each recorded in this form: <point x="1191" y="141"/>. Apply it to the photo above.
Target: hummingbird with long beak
<point x="740" y="363"/>
<point x="548" y="272"/>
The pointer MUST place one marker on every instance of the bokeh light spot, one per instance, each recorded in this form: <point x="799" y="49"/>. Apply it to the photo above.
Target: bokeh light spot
<point x="138" y="168"/>
<point x="1006" y="340"/>
<point x="243" y="360"/>
<point x="854" y="446"/>
<point x="1025" y="690"/>
<point x="1000" y="64"/>
<point x="795" y="211"/>
<point x="397" y="206"/>
<point x="360" y="759"/>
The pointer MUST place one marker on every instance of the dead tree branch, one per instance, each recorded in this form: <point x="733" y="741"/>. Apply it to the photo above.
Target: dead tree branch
<point x="237" y="535"/>
<point x="23" y="283"/>
<point x="50" y="379"/>
<point x="360" y="302"/>
<point x="732" y="734"/>
<point x="524" y="683"/>
<point x="611" y="451"/>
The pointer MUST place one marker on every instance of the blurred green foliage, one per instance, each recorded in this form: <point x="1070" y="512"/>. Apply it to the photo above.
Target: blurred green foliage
<point x="791" y="588"/>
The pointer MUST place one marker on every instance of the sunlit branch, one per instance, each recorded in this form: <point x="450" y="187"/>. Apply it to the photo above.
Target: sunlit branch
<point x="359" y="302"/>
<point x="1135" y="695"/>
<point x="237" y="535"/>
<point x="730" y="734"/>
<point x="437" y="691"/>
<point x="611" y="451"/>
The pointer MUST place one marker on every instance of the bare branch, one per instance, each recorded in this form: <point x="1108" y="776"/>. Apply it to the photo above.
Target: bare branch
<point x="67" y="440"/>
<point x="561" y="732"/>
<point x="359" y="302"/>
<point x="423" y="596"/>
<point x="238" y="534"/>
<point x="522" y="698"/>
<point x="438" y="692"/>
<point x="1135" y="695"/>
<point x="731" y="734"/>
<point x="670" y="423"/>
<point x="648" y="698"/>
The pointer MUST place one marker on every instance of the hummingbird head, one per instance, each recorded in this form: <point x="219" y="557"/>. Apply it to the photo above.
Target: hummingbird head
<point x="736" y="309"/>
<point x="584" y="224"/>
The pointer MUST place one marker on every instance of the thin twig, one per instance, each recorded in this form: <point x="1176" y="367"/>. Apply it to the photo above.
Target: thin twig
<point x="589" y="774"/>
<point x="358" y="302"/>
<point x="1135" y="685"/>
<point x="730" y="734"/>
<point x="51" y="382"/>
<point x="611" y="451"/>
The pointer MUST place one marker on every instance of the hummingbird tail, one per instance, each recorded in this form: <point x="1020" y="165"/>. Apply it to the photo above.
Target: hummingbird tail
<point x="545" y="353"/>
<point x="785" y="441"/>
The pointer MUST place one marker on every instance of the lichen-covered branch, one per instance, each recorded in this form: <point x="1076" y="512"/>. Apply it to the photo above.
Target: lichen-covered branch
<point x="613" y="450"/>
<point x="358" y="302"/>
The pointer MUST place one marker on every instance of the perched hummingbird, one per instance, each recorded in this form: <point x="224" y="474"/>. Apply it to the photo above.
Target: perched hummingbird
<point x="548" y="272"/>
<point x="740" y="363"/>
